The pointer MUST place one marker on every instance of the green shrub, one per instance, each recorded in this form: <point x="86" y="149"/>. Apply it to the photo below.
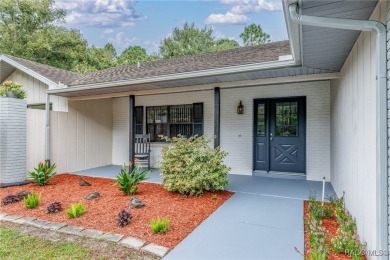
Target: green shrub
<point x="159" y="226"/>
<point x="76" y="210"/>
<point x="32" y="200"/>
<point x="191" y="166"/>
<point x="128" y="180"/>
<point x="43" y="173"/>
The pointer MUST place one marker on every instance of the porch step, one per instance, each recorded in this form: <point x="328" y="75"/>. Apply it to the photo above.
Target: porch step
<point x="283" y="175"/>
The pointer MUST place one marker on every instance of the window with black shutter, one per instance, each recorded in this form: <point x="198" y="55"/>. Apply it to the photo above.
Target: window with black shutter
<point x="175" y="120"/>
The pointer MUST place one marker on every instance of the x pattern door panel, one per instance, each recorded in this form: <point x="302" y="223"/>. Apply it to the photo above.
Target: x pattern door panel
<point x="280" y="135"/>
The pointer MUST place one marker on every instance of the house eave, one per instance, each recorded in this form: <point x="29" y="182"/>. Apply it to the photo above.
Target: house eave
<point x="177" y="76"/>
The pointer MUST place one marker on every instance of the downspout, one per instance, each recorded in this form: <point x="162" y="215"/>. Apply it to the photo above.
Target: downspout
<point x="47" y="129"/>
<point x="381" y="105"/>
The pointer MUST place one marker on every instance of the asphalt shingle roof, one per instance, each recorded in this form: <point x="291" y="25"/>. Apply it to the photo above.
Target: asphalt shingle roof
<point x="52" y="73"/>
<point x="233" y="57"/>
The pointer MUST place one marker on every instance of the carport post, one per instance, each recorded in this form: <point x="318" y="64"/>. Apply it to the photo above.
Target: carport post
<point x="131" y="131"/>
<point x="47" y="129"/>
<point x="217" y="114"/>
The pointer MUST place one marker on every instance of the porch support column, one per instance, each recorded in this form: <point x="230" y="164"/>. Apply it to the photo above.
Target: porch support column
<point x="217" y="117"/>
<point x="131" y="130"/>
<point x="47" y="129"/>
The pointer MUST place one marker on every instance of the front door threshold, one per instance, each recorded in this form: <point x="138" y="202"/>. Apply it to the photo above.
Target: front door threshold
<point x="282" y="175"/>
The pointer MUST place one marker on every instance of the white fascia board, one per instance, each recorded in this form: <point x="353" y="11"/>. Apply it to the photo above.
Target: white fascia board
<point x="178" y="76"/>
<point x="28" y="71"/>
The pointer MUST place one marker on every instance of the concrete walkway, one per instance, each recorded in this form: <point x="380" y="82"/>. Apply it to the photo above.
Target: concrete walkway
<point x="262" y="220"/>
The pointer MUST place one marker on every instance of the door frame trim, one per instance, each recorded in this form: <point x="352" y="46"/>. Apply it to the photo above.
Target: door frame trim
<point x="254" y="118"/>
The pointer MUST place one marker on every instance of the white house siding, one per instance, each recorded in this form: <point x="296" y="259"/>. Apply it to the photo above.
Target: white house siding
<point x="353" y="133"/>
<point x="121" y="119"/>
<point x="120" y="130"/>
<point x="80" y="139"/>
<point x="36" y="91"/>
<point x="237" y="130"/>
<point x="388" y="125"/>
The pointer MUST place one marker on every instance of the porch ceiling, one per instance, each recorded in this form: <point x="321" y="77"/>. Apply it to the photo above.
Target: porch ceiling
<point x="232" y="77"/>
<point x="326" y="48"/>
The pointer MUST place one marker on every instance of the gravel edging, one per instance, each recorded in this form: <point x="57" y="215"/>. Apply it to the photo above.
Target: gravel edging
<point x="130" y="242"/>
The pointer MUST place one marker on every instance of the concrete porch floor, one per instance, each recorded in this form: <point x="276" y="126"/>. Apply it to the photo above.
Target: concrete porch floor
<point x="262" y="220"/>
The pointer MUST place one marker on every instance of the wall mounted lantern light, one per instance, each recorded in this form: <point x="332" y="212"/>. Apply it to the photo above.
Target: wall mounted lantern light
<point x="240" y="108"/>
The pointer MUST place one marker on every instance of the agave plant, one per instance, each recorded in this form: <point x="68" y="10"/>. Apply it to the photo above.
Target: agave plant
<point x="43" y="173"/>
<point x="128" y="179"/>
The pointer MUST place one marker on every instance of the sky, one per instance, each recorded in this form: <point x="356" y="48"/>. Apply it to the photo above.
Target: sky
<point x="127" y="23"/>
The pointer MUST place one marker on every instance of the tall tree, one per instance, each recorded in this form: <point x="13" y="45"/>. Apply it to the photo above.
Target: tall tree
<point x="254" y="35"/>
<point x="133" y="55"/>
<point x="55" y="46"/>
<point x="225" y="44"/>
<point x="19" y="19"/>
<point x="188" y="40"/>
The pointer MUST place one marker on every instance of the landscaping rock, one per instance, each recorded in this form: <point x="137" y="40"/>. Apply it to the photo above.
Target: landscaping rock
<point x="112" y="237"/>
<point x="73" y="230"/>
<point x="93" y="195"/>
<point x="155" y="249"/>
<point x="24" y="220"/>
<point x="136" y="203"/>
<point x="91" y="233"/>
<point x="11" y="217"/>
<point x="133" y="242"/>
<point x="84" y="183"/>
<point x="23" y="194"/>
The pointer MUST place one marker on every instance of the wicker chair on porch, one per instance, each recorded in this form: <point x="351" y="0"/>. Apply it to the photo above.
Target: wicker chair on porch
<point x="142" y="149"/>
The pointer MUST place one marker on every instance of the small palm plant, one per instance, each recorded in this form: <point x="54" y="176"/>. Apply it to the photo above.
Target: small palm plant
<point x="43" y="173"/>
<point x="129" y="179"/>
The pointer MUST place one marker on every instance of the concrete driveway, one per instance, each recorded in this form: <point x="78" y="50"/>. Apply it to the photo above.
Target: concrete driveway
<point x="262" y="220"/>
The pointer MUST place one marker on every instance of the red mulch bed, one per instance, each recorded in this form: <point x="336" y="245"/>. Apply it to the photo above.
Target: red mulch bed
<point x="331" y="227"/>
<point x="185" y="213"/>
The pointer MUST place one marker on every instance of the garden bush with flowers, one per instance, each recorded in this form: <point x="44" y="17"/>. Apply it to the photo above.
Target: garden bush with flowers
<point x="324" y="242"/>
<point x="12" y="87"/>
<point x="190" y="166"/>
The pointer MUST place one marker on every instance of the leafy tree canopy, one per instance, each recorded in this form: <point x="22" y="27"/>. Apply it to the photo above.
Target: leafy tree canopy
<point x="29" y="29"/>
<point x="254" y="35"/>
<point x="191" y="40"/>
<point x="133" y="55"/>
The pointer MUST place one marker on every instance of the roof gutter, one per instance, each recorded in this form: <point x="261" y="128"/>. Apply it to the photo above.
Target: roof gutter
<point x="177" y="76"/>
<point x="381" y="105"/>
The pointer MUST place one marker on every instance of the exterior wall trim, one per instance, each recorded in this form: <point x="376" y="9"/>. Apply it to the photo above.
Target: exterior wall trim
<point x="244" y="83"/>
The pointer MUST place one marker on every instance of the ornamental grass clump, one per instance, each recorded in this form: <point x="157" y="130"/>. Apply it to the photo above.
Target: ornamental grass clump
<point x="159" y="225"/>
<point x="43" y="173"/>
<point x="129" y="179"/>
<point x="32" y="200"/>
<point x="76" y="210"/>
<point x="190" y="166"/>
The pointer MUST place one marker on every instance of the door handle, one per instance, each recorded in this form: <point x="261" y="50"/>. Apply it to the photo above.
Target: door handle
<point x="271" y="137"/>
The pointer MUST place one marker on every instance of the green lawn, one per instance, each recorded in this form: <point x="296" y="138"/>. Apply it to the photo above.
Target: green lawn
<point x="14" y="245"/>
